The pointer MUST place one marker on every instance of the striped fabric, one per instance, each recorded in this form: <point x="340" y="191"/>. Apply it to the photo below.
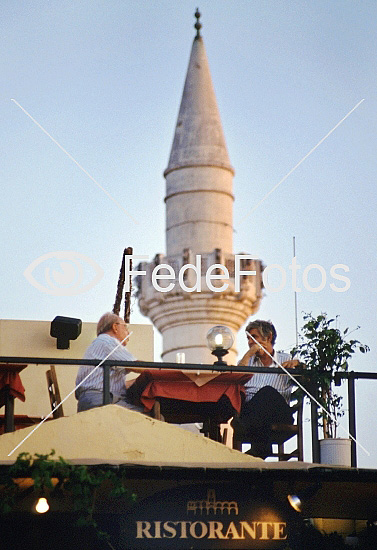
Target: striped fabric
<point x="281" y="382"/>
<point x="99" y="349"/>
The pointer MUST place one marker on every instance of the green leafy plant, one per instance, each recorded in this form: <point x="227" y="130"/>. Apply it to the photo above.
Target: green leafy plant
<point x="81" y="483"/>
<point x="326" y="350"/>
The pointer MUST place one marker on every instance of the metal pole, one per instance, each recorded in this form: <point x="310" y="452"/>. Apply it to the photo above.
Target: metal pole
<point x="352" y="417"/>
<point x="315" y="442"/>
<point x="106" y="384"/>
<point x="316" y="458"/>
<point x="9" y="413"/>
<point x="296" y="322"/>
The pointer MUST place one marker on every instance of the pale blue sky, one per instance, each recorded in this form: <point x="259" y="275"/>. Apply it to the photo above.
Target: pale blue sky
<point x="105" y="80"/>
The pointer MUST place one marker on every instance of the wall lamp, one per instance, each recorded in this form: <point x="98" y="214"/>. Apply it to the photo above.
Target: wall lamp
<point x="219" y="340"/>
<point x="298" y="500"/>
<point x="65" y="329"/>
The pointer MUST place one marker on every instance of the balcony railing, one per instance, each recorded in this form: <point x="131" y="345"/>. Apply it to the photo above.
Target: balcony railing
<point x="295" y="372"/>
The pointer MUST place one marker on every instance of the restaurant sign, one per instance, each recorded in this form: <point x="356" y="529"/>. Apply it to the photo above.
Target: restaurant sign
<point x="206" y="516"/>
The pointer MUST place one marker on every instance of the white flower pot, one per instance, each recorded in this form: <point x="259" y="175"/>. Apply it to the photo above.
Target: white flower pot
<point x="335" y="451"/>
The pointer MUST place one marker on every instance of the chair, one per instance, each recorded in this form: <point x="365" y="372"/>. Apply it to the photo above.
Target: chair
<point x="284" y="432"/>
<point x="24" y="421"/>
<point x="53" y="392"/>
<point x="281" y="433"/>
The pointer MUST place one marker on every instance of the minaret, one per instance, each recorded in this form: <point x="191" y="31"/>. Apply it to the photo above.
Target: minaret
<point x="199" y="222"/>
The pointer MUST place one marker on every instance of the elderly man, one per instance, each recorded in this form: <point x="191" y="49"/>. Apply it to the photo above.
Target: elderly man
<point x="111" y="331"/>
<point x="267" y="395"/>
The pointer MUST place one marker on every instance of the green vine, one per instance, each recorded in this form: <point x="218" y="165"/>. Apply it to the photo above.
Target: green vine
<point x="80" y="482"/>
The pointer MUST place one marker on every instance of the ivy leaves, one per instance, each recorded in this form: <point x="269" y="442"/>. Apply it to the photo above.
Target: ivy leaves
<point x="79" y="482"/>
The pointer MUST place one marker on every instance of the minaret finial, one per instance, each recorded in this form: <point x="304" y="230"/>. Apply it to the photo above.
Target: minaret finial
<point x="197" y="25"/>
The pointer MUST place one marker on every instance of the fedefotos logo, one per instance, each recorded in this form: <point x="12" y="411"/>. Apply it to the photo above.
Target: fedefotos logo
<point x="212" y="274"/>
<point x="69" y="273"/>
<point x="63" y="273"/>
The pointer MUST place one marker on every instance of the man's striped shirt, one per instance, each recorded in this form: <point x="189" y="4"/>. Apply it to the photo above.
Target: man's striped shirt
<point x="281" y="382"/>
<point x="99" y="349"/>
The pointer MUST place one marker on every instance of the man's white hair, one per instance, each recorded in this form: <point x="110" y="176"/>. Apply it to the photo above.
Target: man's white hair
<point x="106" y="322"/>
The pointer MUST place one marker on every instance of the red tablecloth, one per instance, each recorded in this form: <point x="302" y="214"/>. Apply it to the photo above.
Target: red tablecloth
<point x="10" y="379"/>
<point x="152" y="384"/>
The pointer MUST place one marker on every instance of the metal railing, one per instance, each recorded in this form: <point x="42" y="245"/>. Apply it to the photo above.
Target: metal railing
<point x="351" y="376"/>
<point x="296" y="372"/>
<point x="142" y="364"/>
<point x="106" y="365"/>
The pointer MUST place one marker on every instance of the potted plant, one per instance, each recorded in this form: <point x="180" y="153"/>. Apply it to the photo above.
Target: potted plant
<point x="326" y="350"/>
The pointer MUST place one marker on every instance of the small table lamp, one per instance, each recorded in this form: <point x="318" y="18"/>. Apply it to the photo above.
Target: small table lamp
<point x="219" y="340"/>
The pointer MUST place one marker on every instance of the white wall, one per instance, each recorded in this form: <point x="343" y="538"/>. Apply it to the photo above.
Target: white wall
<point x="32" y="339"/>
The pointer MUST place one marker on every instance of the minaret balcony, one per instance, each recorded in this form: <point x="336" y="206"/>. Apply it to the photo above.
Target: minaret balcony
<point x="211" y="276"/>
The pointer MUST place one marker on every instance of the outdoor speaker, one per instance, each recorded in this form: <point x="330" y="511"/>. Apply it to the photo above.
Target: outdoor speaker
<point x="65" y="329"/>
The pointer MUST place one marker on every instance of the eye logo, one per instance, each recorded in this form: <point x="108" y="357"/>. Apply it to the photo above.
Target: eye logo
<point x="66" y="273"/>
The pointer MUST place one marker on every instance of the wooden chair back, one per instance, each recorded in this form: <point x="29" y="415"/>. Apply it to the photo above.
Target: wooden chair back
<point x="53" y="392"/>
<point x="282" y="433"/>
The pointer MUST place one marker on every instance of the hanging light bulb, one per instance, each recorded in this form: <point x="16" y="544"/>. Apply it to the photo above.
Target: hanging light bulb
<point x="42" y="506"/>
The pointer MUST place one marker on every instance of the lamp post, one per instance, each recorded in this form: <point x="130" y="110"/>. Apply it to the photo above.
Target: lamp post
<point x="219" y="340"/>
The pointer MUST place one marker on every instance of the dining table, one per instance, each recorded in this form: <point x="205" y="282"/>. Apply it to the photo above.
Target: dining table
<point x="10" y="388"/>
<point x="182" y="397"/>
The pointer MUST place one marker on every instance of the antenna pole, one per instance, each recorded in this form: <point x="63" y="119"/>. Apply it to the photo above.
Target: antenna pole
<point x="296" y="324"/>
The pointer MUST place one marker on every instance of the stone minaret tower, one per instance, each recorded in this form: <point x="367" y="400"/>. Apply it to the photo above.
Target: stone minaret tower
<point x="199" y="221"/>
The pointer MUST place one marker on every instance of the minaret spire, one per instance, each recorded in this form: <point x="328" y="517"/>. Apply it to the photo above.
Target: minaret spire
<point x="199" y="138"/>
<point x="199" y="230"/>
<point x="198" y="24"/>
<point x="199" y="167"/>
